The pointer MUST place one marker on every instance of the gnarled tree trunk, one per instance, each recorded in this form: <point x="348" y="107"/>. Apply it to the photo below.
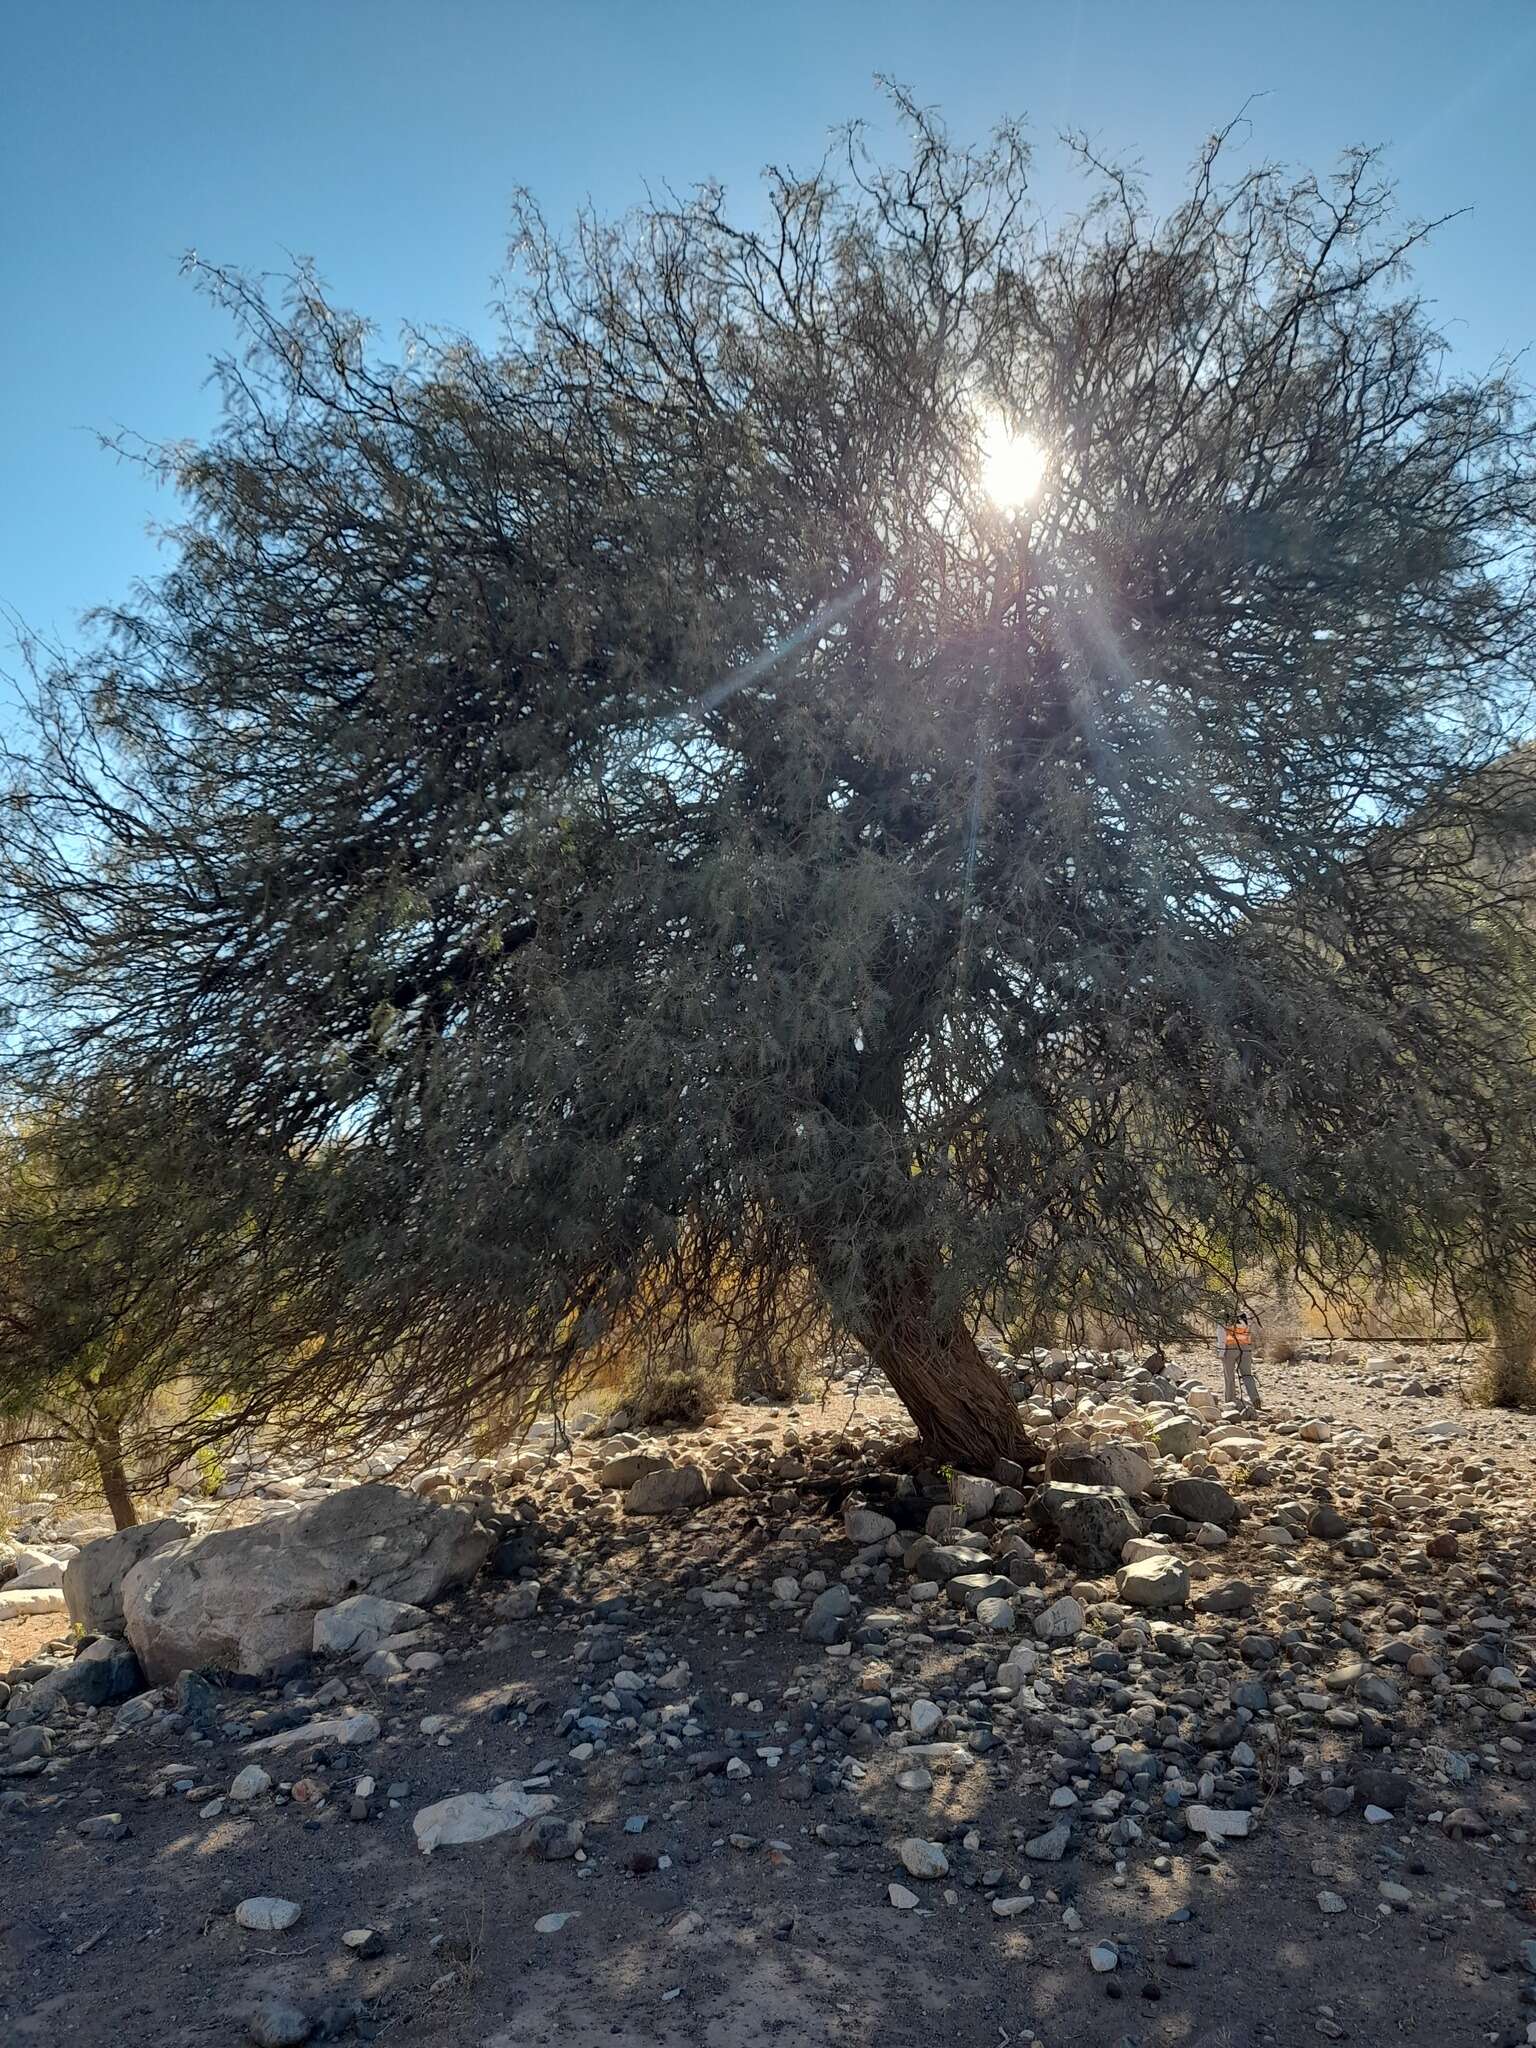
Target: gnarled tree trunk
<point x="964" y="1413"/>
<point x="114" y="1480"/>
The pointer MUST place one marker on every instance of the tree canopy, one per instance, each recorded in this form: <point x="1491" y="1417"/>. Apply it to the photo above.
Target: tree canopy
<point x="634" y="805"/>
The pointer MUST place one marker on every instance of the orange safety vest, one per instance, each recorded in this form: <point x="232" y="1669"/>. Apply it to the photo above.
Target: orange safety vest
<point x="1237" y="1333"/>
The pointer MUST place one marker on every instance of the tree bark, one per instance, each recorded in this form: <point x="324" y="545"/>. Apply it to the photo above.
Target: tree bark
<point x="1511" y="1370"/>
<point x="965" y="1415"/>
<point x="114" y="1480"/>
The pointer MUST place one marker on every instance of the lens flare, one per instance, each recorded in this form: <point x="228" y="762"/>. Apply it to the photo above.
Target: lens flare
<point x="1013" y="465"/>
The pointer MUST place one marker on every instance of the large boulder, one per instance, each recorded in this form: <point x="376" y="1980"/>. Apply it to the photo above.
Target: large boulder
<point x="1176" y="1435"/>
<point x="1092" y="1523"/>
<point x="1159" y="1581"/>
<point x="1204" y="1500"/>
<point x="39" y="1577"/>
<point x="622" y="1472"/>
<point x="246" y="1599"/>
<point x="1118" y="1465"/>
<point x="670" y="1490"/>
<point x="104" y="1671"/>
<point x="93" y="1578"/>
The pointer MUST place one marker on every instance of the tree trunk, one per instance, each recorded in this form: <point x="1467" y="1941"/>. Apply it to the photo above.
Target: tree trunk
<point x="964" y="1413"/>
<point x="114" y="1480"/>
<point x="1511" y="1371"/>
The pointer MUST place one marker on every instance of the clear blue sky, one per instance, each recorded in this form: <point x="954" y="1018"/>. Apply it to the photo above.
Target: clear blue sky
<point x="382" y="137"/>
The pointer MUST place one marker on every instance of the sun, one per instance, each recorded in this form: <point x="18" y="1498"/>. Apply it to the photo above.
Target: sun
<point x="1013" y="465"/>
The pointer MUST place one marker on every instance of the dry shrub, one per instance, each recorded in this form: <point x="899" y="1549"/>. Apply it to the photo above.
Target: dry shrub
<point x="683" y="1383"/>
<point x="689" y="1376"/>
<point x="1099" y="1332"/>
<point x="775" y="1373"/>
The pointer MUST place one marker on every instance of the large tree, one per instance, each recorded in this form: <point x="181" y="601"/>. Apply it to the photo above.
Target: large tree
<point x="889" y="746"/>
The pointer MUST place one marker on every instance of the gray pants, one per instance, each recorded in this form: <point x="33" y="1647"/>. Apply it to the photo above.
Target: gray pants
<point x="1238" y="1359"/>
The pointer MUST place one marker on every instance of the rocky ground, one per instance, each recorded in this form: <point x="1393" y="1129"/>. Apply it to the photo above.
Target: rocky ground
<point x="1225" y="1736"/>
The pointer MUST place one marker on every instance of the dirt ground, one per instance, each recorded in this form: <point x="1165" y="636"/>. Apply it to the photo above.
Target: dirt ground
<point x="742" y="1915"/>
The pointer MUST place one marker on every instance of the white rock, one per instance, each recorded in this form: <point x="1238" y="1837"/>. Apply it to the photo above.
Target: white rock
<point x="477" y="1816"/>
<point x="671" y="1490"/>
<point x="551" y="1923"/>
<point x="974" y="1497"/>
<point x="346" y="1729"/>
<point x="1219" y="1822"/>
<point x="1125" y="1466"/>
<point x="360" y="1624"/>
<point x="1018" y="1667"/>
<point x="266" y="1916"/>
<point x="924" y="1718"/>
<point x="38" y="1600"/>
<point x="864" y="1525"/>
<point x="995" y="1614"/>
<point x="922" y="1859"/>
<point x="1061" y="1621"/>
<point x="30" y="1556"/>
<point x="1103" y="1957"/>
<point x="250" y="1783"/>
<point x="1154" y="1582"/>
<point x="622" y="1472"/>
<point x="900" y="1897"/>
<point x="1330" y="1902"/>
<point x="49" y="1573"/>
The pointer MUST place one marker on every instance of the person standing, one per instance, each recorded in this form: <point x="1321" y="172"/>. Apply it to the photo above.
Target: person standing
<point x="1237" y="1361"/>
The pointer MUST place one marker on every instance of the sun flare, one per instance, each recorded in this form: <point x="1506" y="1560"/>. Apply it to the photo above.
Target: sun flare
<point x="1012" y="465"/>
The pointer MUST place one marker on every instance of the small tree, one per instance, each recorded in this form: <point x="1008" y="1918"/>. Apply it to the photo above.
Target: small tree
<point x="895" y="748"/>
<point x="88" y="1341"/>
<point x="138" y="1315"/>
